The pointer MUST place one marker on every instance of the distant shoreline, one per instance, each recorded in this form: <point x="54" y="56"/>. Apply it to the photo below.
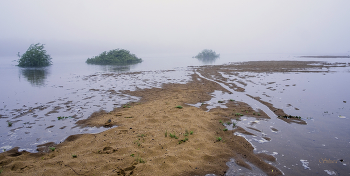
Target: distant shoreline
<point x="326" y="56"/>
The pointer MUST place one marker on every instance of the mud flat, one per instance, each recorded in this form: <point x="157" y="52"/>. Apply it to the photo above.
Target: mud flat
<point x="161" y="134"/>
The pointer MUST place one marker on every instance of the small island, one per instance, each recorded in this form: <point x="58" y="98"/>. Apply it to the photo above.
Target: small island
<point x="35" y="56"/>
<point x="207" y="54"/>
<point x="116" y="56"/>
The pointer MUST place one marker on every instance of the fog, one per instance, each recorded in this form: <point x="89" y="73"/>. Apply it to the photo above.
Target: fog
<point x="176" y="26"/>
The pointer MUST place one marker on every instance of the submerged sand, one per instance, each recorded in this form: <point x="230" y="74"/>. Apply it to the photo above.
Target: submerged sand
<point x="139" y="142"/>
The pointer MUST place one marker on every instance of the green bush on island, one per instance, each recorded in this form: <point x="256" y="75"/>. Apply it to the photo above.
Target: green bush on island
<point x="207" y="54"/>
<point x="116" y="56"/>
<point x="35" y="56"/>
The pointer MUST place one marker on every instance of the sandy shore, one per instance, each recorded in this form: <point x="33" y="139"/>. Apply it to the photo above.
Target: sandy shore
<point x="144" y="142"/>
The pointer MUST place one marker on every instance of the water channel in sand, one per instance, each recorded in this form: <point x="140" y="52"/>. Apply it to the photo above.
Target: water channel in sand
<point x="32" y="99"/>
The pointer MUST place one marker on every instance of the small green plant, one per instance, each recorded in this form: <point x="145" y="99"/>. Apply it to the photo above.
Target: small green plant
<point x="253" y="113"/>
<point x="140" y="160"/>
<point x="191" y="132"/>
<point x="233" y="124"/>
<point x="179" y="107"/>
<point x="74" y="156"/>
<point x="166" y="133"/>
<point x="220" y="101"/>
<point x="141" y="135"/>
<point x="238" y="114"/>
<point x="228" y="123"/>
<point x="225" y="129"/>
<point x="61" y="117"/>
<point x="232" y="100"/>
<point x="132" y="155"/>
<point x="4" y="150"/>
<point x="137" y="142"/>
<point x="258" y="114"/>
<point x="186" y="133"/>
<point x="52" y="148"/>
<point x="1" y="171"/>
<point x="173" y="136"/>
<point x="9" y="124"/>
<point x="220" y="121"/>
<point x="218" y="138"/>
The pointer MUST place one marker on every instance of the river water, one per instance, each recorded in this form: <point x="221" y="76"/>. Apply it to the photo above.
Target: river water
<point x="32" y="99"/>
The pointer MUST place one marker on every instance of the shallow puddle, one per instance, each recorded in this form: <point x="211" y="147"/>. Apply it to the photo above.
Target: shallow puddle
<point x="320" y="146"/>
<point x="27" y="122"/>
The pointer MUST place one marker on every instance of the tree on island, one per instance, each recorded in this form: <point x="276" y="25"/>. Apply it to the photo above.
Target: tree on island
<point x="35" y="56"/>
<point x="116" y="56"/>
<point x="207" y="56"/>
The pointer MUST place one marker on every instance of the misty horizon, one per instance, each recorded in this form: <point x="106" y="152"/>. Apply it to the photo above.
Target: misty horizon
<point x="176" y="27"/>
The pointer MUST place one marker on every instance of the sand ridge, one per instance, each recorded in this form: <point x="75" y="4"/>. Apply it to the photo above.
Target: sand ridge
<point x="141" y="144"/>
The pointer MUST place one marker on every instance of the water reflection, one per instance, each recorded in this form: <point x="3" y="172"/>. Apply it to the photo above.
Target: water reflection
<point x="208" y="60"/>
<point x="115" y="68"/>
<point x="207" y="56"/>
<point x="35" y="76"/>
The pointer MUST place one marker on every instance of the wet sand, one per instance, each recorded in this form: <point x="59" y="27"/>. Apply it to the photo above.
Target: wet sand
<point x="141" y="144"/>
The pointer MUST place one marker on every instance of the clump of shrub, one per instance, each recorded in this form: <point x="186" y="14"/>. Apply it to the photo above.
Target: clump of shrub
<point x="207" y="54"/>
<point x="35" y="56"/>
<point x="116" y="56"/>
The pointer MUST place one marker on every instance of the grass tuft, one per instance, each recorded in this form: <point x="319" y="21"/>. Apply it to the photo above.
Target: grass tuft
<point x="140" y="160"/>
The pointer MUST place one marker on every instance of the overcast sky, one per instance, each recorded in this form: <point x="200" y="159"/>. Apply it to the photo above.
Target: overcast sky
<point x="176" y="26"/>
